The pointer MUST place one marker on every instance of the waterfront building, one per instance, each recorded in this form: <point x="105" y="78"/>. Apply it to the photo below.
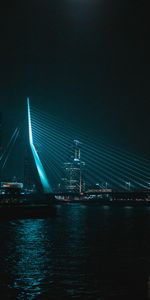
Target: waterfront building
<point x="73" y="180"/>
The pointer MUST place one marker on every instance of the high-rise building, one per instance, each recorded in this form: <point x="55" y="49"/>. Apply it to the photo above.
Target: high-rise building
<point x="73" y="180"/>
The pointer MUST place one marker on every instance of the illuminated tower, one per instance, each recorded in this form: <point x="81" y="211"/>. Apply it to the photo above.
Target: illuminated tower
<point x="33" y="155"/>
<point x="74" y="171"/>
<point x="77" y="150"/>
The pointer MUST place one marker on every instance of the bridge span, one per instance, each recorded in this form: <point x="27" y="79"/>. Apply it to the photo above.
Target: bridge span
<point x="142" y="195"/>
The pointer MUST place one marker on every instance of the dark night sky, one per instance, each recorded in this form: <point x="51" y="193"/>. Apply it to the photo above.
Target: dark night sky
<point x="85" y="61"/>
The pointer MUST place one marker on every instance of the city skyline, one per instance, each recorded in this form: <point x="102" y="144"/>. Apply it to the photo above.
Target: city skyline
<point x="56" y="146"/>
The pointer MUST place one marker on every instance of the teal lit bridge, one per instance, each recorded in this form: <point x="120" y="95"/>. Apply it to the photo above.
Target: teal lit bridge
<point x="105" y="166"/>
<point x="41" y="172"/>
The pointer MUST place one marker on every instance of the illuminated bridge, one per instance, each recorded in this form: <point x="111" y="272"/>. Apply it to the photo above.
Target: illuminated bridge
<point x="105" y="166"/>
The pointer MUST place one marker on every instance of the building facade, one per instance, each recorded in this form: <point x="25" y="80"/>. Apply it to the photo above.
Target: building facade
<point x="73" y="181"/>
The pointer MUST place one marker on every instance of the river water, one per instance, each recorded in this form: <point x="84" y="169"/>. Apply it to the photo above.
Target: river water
<point x="85" y="252"/>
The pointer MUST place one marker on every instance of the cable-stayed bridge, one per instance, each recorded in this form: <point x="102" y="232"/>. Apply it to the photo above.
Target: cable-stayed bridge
<point x="51" y="143"/>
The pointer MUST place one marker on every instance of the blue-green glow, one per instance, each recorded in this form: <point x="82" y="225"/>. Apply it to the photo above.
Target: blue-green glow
<point x="43" y="177"/>
<point x="103" y="162"/>
<point x="100" y="156"/>
<point x="56" y="123"/>
<point x="9" y="143"/>
<point x="10" y="146"/>
<point x="105" y="167"/>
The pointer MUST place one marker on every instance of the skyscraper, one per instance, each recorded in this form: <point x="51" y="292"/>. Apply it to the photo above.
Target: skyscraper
<point x="73" y="180"/>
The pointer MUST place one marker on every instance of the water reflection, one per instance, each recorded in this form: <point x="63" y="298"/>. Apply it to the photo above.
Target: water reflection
<point x="87" y="252"/>
<point x="32" y="260"/>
